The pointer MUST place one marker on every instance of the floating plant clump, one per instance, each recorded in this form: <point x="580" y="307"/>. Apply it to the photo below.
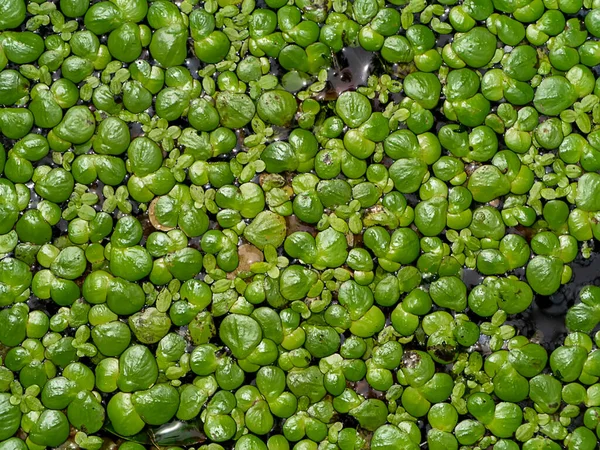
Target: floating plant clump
<point x="300" y="224"/>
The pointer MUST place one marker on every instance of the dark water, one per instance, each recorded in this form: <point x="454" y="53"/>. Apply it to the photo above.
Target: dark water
<point x="350" y="69"/>
<point x="544" y="320"/>
<point x="548" y="313"/>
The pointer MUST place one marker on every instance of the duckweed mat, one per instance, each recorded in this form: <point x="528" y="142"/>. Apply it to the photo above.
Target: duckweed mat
<point x="299" y="224"/>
